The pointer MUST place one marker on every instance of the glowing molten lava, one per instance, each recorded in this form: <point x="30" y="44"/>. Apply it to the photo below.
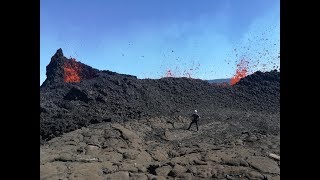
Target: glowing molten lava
<point x="241" y="72"/>
<point x="189" y="73"/>
<point x="169" y="74"/>
<point x="72" y="70"/>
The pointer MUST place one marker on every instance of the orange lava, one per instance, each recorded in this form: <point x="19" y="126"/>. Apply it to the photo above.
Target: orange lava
<point x="177" y="72"/>
<point x="169" y="74"/>
<point x="241" y="72"/>
<point x="72" y="70"/>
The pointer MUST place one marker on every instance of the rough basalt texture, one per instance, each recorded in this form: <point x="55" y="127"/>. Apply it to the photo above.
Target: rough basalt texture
<point x="115" y="126"/>
<point x="108" y="96"/>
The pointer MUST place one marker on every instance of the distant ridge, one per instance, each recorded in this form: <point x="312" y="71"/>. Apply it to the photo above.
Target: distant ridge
<point x="227" y="80"/>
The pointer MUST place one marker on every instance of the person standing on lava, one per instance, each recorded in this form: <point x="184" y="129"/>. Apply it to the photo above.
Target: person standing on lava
<point x="195" y="118"/>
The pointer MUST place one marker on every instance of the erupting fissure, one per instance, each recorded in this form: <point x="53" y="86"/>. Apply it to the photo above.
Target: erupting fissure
<point x="241" y="71"/>
<point x="72" y="71"/>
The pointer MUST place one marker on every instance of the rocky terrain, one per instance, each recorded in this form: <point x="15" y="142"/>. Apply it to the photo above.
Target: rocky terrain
<point x="104" y="125"/>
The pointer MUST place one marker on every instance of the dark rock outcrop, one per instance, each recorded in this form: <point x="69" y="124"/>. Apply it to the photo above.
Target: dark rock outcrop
<point x="75" y="95"/>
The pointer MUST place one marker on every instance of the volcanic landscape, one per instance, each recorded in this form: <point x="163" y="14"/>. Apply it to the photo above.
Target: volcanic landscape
<point x="99" y="124"/>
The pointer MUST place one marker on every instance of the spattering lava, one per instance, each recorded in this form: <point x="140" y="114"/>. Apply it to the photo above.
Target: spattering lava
<point x="241" y="71"/>
<point x="72" y="71"/>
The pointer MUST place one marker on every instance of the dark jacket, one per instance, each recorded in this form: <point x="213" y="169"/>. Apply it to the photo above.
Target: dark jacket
<point x="195" y="117"/>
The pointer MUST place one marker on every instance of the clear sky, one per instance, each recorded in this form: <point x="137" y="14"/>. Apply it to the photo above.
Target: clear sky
<point x="145" y="38"/>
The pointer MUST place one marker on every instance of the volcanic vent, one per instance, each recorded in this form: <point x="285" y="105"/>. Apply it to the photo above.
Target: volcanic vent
<point x="75" y="95"/>
<point x="62" y="69"/>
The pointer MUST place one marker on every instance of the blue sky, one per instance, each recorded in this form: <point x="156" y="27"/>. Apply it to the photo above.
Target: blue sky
<point x="146" y="38"/>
